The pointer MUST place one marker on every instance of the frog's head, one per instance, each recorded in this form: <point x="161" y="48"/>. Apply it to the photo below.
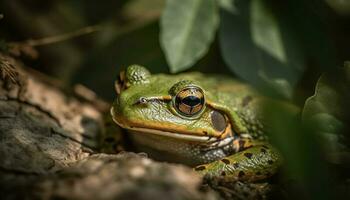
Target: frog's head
<point x="169" y="105"/>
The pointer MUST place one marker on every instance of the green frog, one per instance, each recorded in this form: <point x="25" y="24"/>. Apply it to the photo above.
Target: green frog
<point x="211" y="122"/>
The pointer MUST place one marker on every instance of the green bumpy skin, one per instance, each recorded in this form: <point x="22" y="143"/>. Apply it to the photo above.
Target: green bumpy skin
<point x="211" y="122"/>
<point x="255" y="163"/>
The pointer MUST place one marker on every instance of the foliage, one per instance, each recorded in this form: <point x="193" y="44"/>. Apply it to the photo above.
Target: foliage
<point x="187" y="30"/>
<point x="257" y="41"/>
<point x="328" y="110"/>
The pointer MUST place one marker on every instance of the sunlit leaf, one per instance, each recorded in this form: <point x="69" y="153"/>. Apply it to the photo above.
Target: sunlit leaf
<point x="187" y="30"/>
<point x="328" y="110"/>
<point x="259" y="48"/>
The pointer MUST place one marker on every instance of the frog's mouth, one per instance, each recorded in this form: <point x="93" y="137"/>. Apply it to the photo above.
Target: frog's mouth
<point x="191" y="137"/>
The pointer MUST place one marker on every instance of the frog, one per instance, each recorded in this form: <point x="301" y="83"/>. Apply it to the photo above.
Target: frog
<point x="212" y="123"/>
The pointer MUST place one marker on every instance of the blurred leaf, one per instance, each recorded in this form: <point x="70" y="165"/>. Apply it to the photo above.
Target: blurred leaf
<point x="143" y="8"/>
<point x="187" y="30"/>
<point x="342" y="7"/>
<point x="300" y="148"/>
<point x="328" y="110"/>
<point x="265" y="31"/>
<point x="227" y="5"/>
<point x="259" y="48"/>
<point x="309" y="20"/>
<point x="135" y="15"/>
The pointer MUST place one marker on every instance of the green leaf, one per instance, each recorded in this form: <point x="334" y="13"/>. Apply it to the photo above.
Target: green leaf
<point x="187" y="30"/>
<point x="300" y="148"/>
<point x="266" y="32"/>
<point x="328" y="110"/>
<point x="259" y="47"/>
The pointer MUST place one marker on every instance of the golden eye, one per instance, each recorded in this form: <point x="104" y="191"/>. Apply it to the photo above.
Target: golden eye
<point x="189" y="101"/>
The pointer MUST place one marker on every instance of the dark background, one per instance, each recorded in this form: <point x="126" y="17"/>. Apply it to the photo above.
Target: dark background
<point x="127" y="32"/>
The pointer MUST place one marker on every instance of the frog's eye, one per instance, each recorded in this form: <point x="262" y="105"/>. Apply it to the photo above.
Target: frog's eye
<point x="189" y="101"/>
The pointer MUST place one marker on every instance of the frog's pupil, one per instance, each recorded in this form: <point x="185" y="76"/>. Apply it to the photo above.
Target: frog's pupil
<point x="191" y="101"/>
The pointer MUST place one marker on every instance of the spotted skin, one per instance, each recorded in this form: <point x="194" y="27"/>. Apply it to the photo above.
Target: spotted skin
<point x="252" y="164"/>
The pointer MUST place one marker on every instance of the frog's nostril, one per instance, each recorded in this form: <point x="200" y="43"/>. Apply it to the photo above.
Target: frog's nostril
<point x="141" y="100"/>
<point x="218" y="120"/>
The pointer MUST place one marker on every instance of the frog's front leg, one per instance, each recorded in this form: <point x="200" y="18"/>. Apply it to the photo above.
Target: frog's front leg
<point x="252" y="164"/>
